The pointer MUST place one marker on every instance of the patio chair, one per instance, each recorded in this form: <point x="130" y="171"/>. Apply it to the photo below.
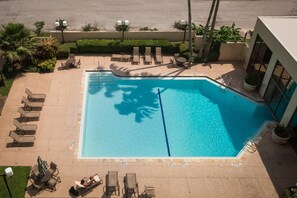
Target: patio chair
<point x="87" y="184"/>
<point x="34" y="96"/>
<point x="131" y="185"/>
<point x="21" y="138"/>
<point x="112" y="183"/>
<point x="136" y="55"/>
<point x="159" y="58"/>
<point x="36" y="183"/>
<point x="52" y="182"/>
<point x="76" y="64"/>
<point x="53" y="168"/>
<point x="30" y="105"/>
<point x="24" y="127"/>
<point x="69" y="61"/>
<point x="28" y="114"/>
<point x="149" y="192"/>
<point x="148" y="55"/>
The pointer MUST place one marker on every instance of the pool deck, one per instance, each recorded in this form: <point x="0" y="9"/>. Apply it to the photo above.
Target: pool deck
<point x="264" y="173"/>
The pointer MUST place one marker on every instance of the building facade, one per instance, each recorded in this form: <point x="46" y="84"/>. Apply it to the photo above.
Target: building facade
<point x="273" y="54"/>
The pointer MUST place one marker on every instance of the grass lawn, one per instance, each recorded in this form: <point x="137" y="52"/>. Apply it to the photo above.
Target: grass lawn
<point x="4" y="90"/>
<point x="17" y="183"/>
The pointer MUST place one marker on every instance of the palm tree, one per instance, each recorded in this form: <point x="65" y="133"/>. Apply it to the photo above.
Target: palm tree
<point x="46" y="47"/>
<point x="214" y="5"/>
<point x="15" y="43"/>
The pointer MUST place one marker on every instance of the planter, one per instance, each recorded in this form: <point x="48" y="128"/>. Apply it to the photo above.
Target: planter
<point x="279" y="140"/>
<point x="249" y="87"/>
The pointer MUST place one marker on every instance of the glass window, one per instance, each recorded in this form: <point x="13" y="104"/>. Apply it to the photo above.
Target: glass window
<point x="257" y="44"/>
<point x="278" y="70"/>
<point x="282" y="106"/>
<point x="293" y="122"/>
<point x="284" y="80"/>
<point x="289" y="90"/>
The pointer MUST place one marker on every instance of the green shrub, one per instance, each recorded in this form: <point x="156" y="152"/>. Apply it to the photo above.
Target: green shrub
<point x="117" y="46"/>
<point x="47" y="65"/>
<point x="65" y="49"/>
<point x="183" y="50"/>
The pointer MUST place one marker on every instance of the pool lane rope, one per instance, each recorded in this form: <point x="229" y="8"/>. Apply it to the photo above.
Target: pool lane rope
<point x="163" y="119"/>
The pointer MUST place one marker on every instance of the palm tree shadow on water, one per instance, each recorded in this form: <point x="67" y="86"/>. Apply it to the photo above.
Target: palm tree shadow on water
<point x="139" y="100"/>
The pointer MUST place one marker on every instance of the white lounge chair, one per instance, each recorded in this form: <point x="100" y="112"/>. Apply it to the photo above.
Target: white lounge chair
<point x="148" y="55"/>
<point x="159" y="58"/>
<point x="136" y="55"/>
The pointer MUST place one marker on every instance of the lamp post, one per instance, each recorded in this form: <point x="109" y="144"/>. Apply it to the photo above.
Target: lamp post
<point x="8" y="172"/>
<point x="61" y="25"/>
<point x="122" y="26"/>
<point x="183" y="25"/>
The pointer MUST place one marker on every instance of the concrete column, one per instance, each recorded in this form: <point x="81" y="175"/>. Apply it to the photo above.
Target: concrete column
<point x="268" y="74"/>
<point x="290" y="110"/>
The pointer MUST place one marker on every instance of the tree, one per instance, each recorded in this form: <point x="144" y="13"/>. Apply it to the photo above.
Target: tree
<point x="46" y="47"/>
<point x="207" y="39"/>
<point x="15" y="43"/>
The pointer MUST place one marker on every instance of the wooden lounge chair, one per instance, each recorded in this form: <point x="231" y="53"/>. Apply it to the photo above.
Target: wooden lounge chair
<point x="136" y="55"/>
<point x="131" y="185"/>
<point x="112" y="183"/>
<point x="30" y="105"/>
<point x="24" y="127"/>
<point x="87" y="184"/>
<point x="159" y="58"/>
<point x="148" y="55"/>
<point x="34" y="96"/>
<point x="21" y="138"/>
<point x="28" y="114"/>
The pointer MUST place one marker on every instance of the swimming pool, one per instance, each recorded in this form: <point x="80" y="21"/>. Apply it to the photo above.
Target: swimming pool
<point x="165" y="117"/>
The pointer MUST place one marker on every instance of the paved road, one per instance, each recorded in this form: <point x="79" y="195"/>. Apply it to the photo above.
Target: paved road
<point x="153" y="13"/>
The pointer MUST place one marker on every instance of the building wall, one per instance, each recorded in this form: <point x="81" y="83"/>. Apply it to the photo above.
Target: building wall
<point x="278" y="53"/>
<point x="233" y="51"/>
<point x="75" y="35"/>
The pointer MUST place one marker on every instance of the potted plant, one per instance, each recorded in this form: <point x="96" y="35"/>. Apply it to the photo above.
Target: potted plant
<point x="280" y="134"/>
<point x="251" y="81"/>
<point x="290" y="192"/>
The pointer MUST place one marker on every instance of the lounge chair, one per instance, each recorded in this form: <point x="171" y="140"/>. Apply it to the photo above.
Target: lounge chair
<point x="71" y="62"/>
<point x="34" y="96"/>
<point x="87" y="184"/>
<point x="30" y="105"/>
<point x="112" y="183"/>
<point x="148" y="55"/>
<point x="159" y="58"/>
<point x="21" y="138"/>
<point x="136" y="55"/>
<point x="28" y="114"/>
<point x="24" y="127"/>
<point x="131" y="185"/>
<point x="149" y="192"/>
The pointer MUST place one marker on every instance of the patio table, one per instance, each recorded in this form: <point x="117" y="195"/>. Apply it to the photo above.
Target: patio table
<point x="181" y="60"/>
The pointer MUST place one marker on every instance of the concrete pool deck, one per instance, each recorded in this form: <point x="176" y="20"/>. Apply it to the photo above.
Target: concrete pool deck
<point x="264" y="173"/>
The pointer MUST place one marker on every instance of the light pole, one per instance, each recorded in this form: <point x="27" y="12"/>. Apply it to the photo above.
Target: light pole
<point x="8" y="172"/>
<point x="190" y="27"/>
<point x="122" y="26"/>
<point x="61" y="25"/>
<point x="183" y="25"/>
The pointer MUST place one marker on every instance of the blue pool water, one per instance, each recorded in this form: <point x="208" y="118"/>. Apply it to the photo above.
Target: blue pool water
<point x="123" y="118"/>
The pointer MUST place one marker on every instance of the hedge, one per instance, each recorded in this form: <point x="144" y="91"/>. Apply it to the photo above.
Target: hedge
<point x="47" y="65"/>
<point x="126" y="46"/>
<point x="65" y="49"/>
